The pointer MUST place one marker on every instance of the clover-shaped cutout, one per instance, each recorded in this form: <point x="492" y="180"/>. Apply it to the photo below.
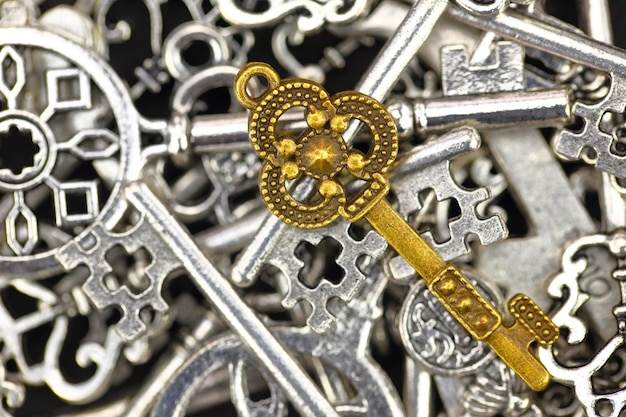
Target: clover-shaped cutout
<point x="321" y="152"/>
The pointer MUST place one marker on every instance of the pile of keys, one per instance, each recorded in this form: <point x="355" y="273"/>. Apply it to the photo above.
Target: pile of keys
<point x="253" y="208"/>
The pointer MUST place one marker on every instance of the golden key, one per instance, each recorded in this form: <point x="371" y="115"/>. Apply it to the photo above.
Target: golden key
<point x="322" y="154"/>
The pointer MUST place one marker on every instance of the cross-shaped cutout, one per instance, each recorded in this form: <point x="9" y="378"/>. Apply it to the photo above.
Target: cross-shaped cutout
<point x="320" y="262"/>
<point x="127" y="270"/>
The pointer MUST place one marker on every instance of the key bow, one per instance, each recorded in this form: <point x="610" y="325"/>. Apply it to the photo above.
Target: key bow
<point x="320" y="152"/>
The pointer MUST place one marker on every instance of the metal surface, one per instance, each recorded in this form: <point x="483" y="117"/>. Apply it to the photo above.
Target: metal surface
<point x="129" y="203"/>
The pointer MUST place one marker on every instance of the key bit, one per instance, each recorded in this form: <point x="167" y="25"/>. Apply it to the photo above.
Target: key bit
<point x="321" y="153"/>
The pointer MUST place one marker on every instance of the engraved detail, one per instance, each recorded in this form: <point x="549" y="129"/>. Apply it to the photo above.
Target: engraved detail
<point x="465" y="303"/>
<point x="434" y="338"/>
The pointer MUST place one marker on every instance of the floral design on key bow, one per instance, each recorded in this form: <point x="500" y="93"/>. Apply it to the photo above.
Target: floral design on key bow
<point x="320" y="152"/>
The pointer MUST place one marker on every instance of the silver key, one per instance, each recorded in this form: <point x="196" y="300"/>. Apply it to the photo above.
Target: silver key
<point x="591" y="144"/>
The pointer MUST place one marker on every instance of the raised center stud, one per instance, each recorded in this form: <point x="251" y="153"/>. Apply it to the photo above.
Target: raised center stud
<point x="322" y="156"/>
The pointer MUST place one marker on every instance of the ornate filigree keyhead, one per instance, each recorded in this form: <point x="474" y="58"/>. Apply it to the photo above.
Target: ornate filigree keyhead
<point x="321" y="154"/>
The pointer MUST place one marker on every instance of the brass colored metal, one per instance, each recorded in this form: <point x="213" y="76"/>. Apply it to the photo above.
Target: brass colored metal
<point x="321" y="153"/>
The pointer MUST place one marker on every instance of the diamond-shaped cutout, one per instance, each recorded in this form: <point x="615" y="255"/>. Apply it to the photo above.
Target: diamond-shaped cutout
<point x="93" y="144"/>
<point x="12" y="77"/>
<point x="21" y="227"/>
<point x="75" y="202"/>
<point x="68" y="89"/>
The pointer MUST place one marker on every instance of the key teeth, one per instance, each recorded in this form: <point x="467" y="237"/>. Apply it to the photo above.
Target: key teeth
<point x="528" y="313"/>
<point x="572" y="144"/>
<point x="92" y="251"/>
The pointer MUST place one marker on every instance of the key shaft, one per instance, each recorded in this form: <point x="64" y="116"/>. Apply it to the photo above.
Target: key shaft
<point x="405" y="240"/>
<point x="567" y="44"/>
<point x="460" y="297"/>
<point x="484" y="111"/>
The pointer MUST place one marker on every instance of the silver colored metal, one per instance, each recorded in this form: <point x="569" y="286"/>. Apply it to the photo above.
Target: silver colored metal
<point x="483" y="9"/>
<point x="597" y="19"/>
<point x="533" y="31"/>
<point x="181" y="37"/>
<point x="428" y="167"/>
<point x="227" y="175"/>
<point x="317" y="13"/>
<point x="245" y="324"/>
<point x="567" y="286"/>
<point x="612" y="195"/>
<point x="334" y="57"/>
<point x="484" y="111"/>
<point x="344" y="349"/>
<point x="497" y="390"/>
<point x="592" y="144"/>
<point x="481" y="171"/>
<point x="471" y="380"/>
<point x="93" y="249"/>
<point x="80" y="118"/>
<point x="232" y="237"/>
<point x="435" y="340"/>
<point x="612" y="202"/>
<point x="500" y="70"/>
<point x="13" y="395"/>
<point x="400" y="49"/>
<point x="87" y="66"/>
<point x="103" y="351"/>
<point x="143" y="402"/>
<point x="229" y="132"/>
<point x="353" y="254"/>
<point x="418" y="390"/>
<point x="121" y="31"/>
<point x="552" y="222"/>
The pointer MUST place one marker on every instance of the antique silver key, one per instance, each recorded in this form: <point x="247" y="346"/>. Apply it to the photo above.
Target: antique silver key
<point x="175" y="249"/>
<point x="591" y="143"/>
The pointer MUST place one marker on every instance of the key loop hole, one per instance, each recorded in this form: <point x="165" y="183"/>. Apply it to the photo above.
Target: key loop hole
<point x="245" y="76"/>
